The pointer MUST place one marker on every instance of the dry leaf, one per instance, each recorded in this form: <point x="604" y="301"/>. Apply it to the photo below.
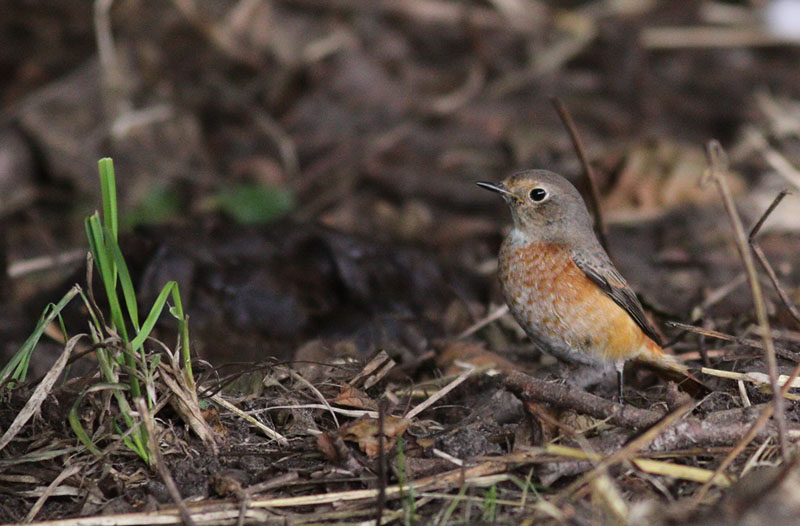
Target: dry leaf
<point x="471" y="353"/>
<point x="326" y="446"/>
<point x="374" y="370"/>
<point x="352" y="397"/>
<point x="364" y="431"/>
<point x="211" y="416"/>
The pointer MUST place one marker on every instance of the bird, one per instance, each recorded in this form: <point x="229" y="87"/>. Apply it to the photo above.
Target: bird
<point x="562" y="287"/>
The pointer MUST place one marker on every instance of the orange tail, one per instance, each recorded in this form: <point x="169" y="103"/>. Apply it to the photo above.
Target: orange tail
<point x="655" y="356"/>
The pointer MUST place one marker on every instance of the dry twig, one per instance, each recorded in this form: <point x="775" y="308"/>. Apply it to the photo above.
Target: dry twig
<point x="438" y="395"/>
<point x="780" y="351"/>
<point x="41" y="392"/>
<point x="495" y="314"/>
<point x="235" y="410"/>
<point x="627" y="452"/>
<point x="752" y="433"/>
<point x="762" y="258"/>
<point x="314" y="390"/>
<point x="661" y="38"/>
<point x="564" y="397"/>
<point x="717" y="170"/>
<point x="588" y="172"/>
<point x="757" y="378"/>
<point x="158" y="461"/>
<point x="51" y="489"/>
<point x="18" y="269"/>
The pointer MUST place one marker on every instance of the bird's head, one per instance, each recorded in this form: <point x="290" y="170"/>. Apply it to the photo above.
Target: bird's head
<point x="544" y="206"/>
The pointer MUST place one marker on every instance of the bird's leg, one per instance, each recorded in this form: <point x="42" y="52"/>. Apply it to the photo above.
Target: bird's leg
<point x="620" y="367"/>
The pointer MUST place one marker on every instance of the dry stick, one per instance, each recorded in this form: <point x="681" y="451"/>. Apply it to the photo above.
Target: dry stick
<point x="65" y="474"/>
<point x="381" y="465"/>
<point x="275" y="482"/>
<point x="762" y="258"/>
<point x="588" y="172"/>
<point x="274" y="435"/>
<point x="441" y="393"/>
<point x="530" y="388"/>
<point x="354" y="413"/>
<point x="757" y="426"/>
<point x="780" y="351"/>
<point x="42" y="391"/>
<point x="223" y="512"/>
<point x="775" y="202"/>
<point x="158" y="460"/>
<point x="18" y="269"/>
<point x="704" y="37"/>
<point x="314" y="390"/>
<point x="714" y="297"/>
<point x="496" y="314"/>
<point x="718" y="168"/>
<point x="4" y="267"/>
<point x="434" y="12"/>
<point x="626" y="452"/>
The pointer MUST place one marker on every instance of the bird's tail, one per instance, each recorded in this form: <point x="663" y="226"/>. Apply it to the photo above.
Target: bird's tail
<point x="654" y="355"/>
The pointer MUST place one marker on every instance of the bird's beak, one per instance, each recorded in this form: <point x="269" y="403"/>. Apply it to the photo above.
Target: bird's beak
<point x="500" y="188"/>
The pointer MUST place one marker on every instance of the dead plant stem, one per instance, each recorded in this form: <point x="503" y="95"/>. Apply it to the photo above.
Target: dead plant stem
<point x="757" y="426"/>
<point x="588" y="172"/>
<point x="718" y="168"/>
<point x="158" y="461"/>
<point x="762" y="258"/>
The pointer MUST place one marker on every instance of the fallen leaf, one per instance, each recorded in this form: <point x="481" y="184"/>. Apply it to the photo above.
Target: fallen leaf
<point x="352" y="397"/>
<point x="471" y="353"/>
<point x="364" y="431"/>
<point x="326" y="446"/>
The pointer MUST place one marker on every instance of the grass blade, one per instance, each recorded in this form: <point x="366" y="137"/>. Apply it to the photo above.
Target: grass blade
<point x="183" y="333"/>
<point x="107" y="270"/>
<point x="75" y="420"/>
<point x="128" y="291"/>
<point x="152" y="317"/>
<point x="108" y="184"/>
<point x="17" y="367"/>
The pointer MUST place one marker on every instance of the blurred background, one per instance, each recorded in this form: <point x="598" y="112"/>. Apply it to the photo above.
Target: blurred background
<point x="305" y="168"/>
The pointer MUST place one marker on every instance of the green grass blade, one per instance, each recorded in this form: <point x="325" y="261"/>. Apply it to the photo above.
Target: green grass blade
<point x="75" y="421"/>
<point x="490" y="504"/>
<point x="95" y="236"/>
<point x="183" y="332"/>
<point x="445" y="519"/>
<point x="152" y="317"/>
<point x="108" y="185"/>
<point x="136" y="440"/>
<point x="128" y="291"/>
<point x="17" y="367"/>
<point x="107" y="270"/>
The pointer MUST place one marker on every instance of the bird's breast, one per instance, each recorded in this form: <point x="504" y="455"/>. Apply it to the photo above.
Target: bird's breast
<point x="563" y="310"/>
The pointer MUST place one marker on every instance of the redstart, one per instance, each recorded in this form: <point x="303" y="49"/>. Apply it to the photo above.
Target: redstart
<point x="560" y="284"/>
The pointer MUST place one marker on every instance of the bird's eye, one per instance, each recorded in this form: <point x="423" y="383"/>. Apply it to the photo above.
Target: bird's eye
<point x="538" y="195"/>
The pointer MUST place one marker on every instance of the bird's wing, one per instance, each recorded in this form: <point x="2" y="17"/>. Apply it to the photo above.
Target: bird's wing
<point x="598" y="267"/>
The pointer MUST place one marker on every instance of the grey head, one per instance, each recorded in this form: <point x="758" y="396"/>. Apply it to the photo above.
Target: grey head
<point x="545" y="207"/>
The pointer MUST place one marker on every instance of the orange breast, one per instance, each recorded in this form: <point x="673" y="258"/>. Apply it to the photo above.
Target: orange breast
<point x="563" y="310"/>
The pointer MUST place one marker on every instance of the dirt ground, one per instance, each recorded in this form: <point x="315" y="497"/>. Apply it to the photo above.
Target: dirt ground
<point x="305" y="169"/>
